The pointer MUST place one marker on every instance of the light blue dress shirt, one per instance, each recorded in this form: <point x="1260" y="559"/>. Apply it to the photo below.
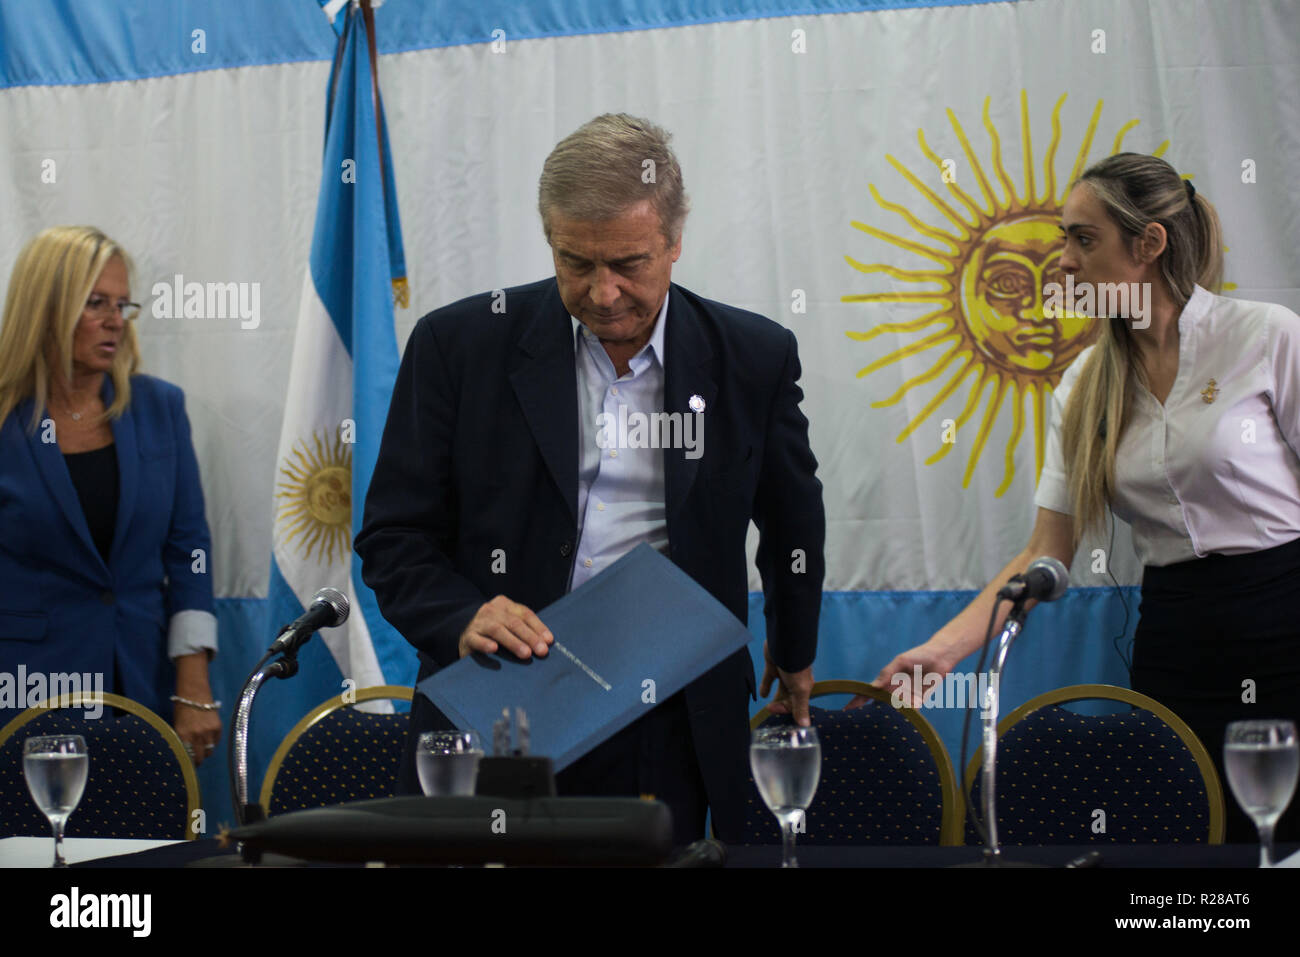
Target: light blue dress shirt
<point x="621" y="499"/>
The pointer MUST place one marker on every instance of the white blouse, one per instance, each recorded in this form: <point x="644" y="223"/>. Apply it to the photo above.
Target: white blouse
<point x="1214" y="470"/>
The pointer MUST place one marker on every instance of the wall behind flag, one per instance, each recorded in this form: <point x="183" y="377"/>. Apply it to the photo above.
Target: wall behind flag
<point x="823" y="150"/>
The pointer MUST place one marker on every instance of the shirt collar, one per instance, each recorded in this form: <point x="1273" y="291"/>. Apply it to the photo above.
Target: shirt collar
<point x="656" y="343"/>
<point x="1195" y="309"/>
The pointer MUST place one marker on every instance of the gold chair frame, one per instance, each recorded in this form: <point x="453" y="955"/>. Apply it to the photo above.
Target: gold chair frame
<point x="319" y="713"/>
<point x="76" y="699"/>
<point x="950" y="822"/>
<point x="1213" y="787"/>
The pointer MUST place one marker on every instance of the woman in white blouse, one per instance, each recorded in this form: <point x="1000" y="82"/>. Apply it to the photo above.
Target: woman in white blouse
<point x="1186" y="423"/>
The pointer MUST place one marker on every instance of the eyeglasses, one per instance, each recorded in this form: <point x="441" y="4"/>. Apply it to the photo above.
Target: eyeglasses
<point x="101" y="307"/>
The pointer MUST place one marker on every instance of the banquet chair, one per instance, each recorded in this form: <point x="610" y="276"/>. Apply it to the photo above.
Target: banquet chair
<point x="338" y="753"/>
<point x="1138" y="775"/>
<point x="885" y="778"/>
<point x="141" y="783"/>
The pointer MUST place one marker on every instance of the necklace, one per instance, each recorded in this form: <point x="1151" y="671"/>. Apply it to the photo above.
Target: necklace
<point x="65" y="394"/>
<point x="76" y="416"/>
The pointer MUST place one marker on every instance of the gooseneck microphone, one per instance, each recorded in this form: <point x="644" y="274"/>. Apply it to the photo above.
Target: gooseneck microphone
<point x="328" y="609"/>
<point x="1044" y="580"/>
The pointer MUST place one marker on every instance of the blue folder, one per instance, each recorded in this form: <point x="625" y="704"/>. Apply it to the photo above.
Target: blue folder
<point x="626" y="640"/>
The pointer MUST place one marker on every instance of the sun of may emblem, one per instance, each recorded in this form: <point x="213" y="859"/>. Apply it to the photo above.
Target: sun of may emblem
<point x="993" y="256"/>
<point x="315" y="498"/>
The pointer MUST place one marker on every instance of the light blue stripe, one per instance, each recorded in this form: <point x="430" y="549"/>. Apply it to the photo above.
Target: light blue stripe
<point x="1068" y="642"/>
<point x="416" y="26"/>
<point x="49" y="42"/>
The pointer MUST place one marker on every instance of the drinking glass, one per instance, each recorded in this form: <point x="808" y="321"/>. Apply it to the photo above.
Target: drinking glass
<point x="56" y="767"/>
<point x="787" y="764"/>
<point x="1262" y="760"/>
<point x="448" y="762"/>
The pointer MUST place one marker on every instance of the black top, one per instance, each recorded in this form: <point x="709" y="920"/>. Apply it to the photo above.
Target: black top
<point x="94" y="476"/>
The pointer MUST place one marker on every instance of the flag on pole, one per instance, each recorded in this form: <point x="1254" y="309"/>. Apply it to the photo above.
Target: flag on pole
<point x="344" y="362"/>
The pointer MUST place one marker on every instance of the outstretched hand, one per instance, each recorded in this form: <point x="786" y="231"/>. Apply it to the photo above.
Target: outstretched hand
<point x="898" y="677"/>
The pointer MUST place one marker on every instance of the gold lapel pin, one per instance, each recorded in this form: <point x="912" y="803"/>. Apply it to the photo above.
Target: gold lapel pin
<point x="1210" y="392"/>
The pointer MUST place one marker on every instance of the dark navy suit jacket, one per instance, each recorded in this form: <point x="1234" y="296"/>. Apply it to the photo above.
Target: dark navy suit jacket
<point x="62" y="607"/>
<point x="480" y="453"/>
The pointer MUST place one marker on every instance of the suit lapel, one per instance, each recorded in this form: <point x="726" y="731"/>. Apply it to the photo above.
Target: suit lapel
<point x="49" y="462"/>
<point x="543" y="377"/>
<point x="128" y="461"/>
<point x="688" y="372"/>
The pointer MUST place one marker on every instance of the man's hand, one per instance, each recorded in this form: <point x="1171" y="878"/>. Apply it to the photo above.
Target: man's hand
<point x="792" y="692"/>
<point x="502" y="623"/>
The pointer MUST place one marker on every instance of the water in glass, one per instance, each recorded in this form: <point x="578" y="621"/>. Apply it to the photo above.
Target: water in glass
<point x="447" y="762"/>
<point x="1262" y="760"/>
<point x="786" y="762"/>
<point x="56" y="767"/>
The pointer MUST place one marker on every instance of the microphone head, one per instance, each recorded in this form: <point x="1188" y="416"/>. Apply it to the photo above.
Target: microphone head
<point x="338" y="603"/>
<point x="1051" y="568"/>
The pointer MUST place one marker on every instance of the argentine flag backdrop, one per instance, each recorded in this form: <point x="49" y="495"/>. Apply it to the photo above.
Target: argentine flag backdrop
<point x="884" y="178"/>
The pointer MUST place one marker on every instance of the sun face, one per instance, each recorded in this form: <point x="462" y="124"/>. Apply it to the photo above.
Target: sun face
<point x="1002" y="284"/>
<point x="993" y="256"/>
<point x="315" y="498"/>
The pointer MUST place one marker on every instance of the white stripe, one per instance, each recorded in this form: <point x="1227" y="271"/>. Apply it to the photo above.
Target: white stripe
<point x="319" y="399"/>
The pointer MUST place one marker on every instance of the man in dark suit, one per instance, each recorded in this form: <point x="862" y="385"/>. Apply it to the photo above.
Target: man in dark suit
<point x="500" y="476"/>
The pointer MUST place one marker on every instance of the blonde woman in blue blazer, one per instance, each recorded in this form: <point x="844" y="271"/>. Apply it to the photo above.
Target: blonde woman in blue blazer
<point x="104" y="548"/>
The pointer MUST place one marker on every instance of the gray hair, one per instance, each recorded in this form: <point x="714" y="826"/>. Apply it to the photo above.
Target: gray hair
<point x="1137" y="190"/>
<point x="608" y="164"/>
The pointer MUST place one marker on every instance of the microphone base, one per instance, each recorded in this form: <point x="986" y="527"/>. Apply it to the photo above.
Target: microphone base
<point x="992" y="860"/>
<point x="518" y="777"/>
<point x="997" y="862"/>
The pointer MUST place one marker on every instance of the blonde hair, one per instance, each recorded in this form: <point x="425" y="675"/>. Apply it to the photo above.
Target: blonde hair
<point x="598" y="171"/>
<point x="1135" y="190"/>
<point x="51" y="281"/>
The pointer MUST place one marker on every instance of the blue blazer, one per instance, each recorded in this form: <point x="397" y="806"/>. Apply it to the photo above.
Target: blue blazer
<point x="62" y="608"/>
<point x="480" y="453"/>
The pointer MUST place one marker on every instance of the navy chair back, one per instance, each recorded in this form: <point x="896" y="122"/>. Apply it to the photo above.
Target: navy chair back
<point x="141" y="782"/>
<point x="1136" y="776"/>
<point x="885" y="779"/>
<point x="337" y="754"/>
